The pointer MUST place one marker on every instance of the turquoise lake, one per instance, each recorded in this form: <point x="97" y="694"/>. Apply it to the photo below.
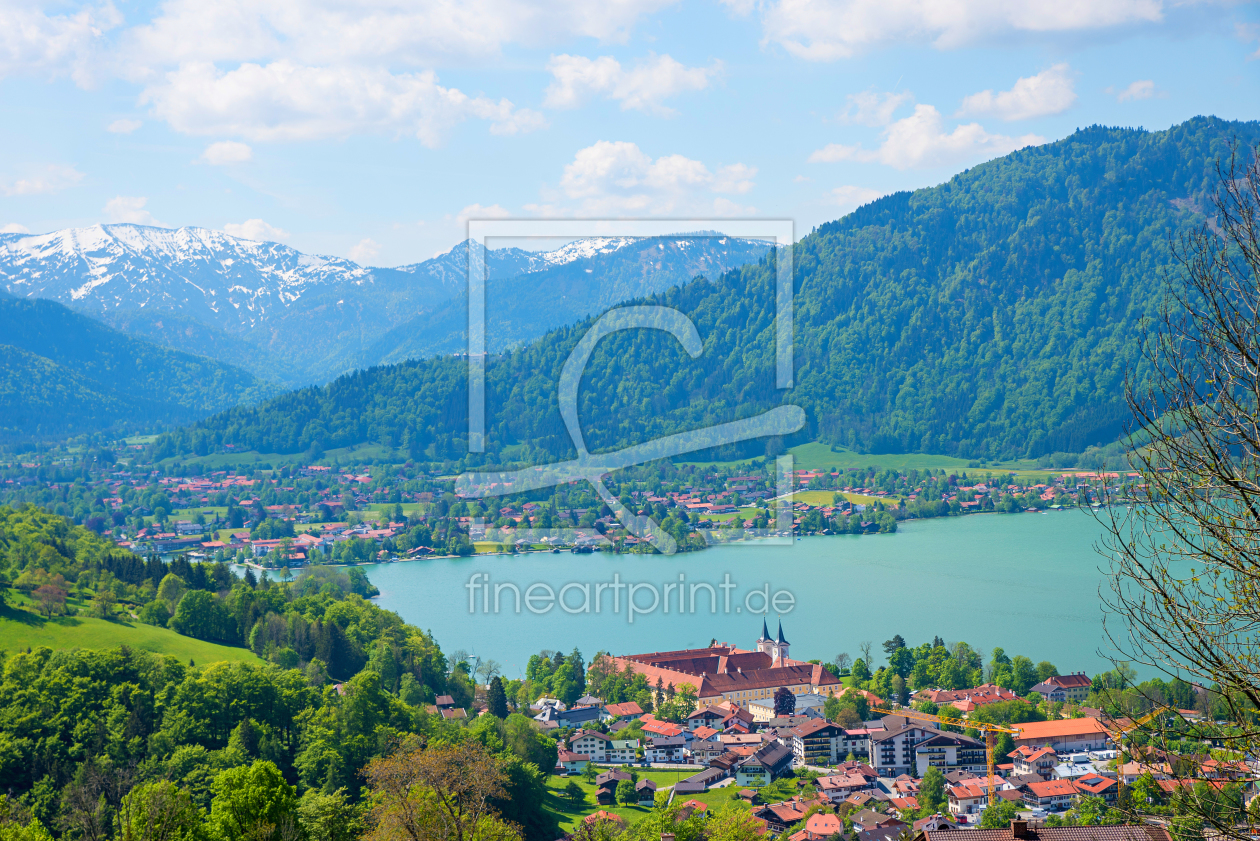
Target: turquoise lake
<point x="1026" y="582"/>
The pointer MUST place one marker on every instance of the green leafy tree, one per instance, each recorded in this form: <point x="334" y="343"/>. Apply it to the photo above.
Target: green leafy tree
<point x="861" y="674"/>
<point x="159" y="811"/>
<point x="202" y="616"/>
<point x="329" y="817"/>
<point x="999" y="815"/>
<point x="626" y="795"/>
<point x="252" y="803"/>
<point x="931" y="794"/>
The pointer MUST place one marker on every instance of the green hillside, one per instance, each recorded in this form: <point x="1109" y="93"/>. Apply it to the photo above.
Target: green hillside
<point x="992" y="316"/>
<point x="64" y="373"/>
<point x="21" y="629"/>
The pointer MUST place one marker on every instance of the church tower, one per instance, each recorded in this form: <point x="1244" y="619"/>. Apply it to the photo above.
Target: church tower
<point x="776" y="648"/>
<point x="765" y="645"/>
<point x="780" y="647"/>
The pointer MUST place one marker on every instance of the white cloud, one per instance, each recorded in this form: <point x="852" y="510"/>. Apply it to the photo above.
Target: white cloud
<point x="226" y="152"/>
<point x="256" y="229"/>
<point x="14" y="228"/>
<point x="874" y="109"/>
<point x="286" y="101"/>
<point x="370" y="32"/>
<point x="1143" y="89"/>
<point x="123" y="126"/>
<point x="51" y="179"/>
<point x="53" y="45"/>
<point x="366" y="251"/>
<point x="642" y="88"/>
<point x="618" y="177"/>
<point x="827" y="30"/>
<point x="920" y="140"/>
<point x="1049" y="92"/>
<point x="849" y="196"/>
<point x="130" y="209"/>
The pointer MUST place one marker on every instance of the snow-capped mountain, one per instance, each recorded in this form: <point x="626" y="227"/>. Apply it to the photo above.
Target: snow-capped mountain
<point x="312" y="317"/>
<point x="210" y="275"/>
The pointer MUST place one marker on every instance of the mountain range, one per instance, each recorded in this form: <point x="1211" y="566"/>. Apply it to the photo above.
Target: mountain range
<point x="994" y="315"/>
<point x="296" y="318"/>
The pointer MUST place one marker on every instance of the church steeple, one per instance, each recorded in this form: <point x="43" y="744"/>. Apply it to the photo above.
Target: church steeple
<point x="782" y="641"/>
<point x="766" y="644"/>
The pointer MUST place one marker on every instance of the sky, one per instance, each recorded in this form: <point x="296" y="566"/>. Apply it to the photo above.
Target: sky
<point x="374" y="130"/>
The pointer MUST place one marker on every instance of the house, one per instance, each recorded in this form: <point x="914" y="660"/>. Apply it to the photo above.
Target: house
<point x="765" y="766"/>
<point x="933" y="822"/>
<point x="622" y="712"/>
<point x="819" y="827"/>
<point x="592" y="743"/>
<point x="816" y="742"/>
<point x="1024" y="831"/>
<point x="665" y="749"/>
<point x="646" y="790"/>
<point x="857" y="742"/>
<point x="577" y="716"/>
<point x="839" y="786"/>
<point x="571" y="763"/>
<point x="606" y="786"/>
<point x="1040" y="761"/>
<point x="444" y="702"/>
<point x="601" y="815"/>
<point x="706" y="717"/>
<point x="967" y="797"/>
<point x="891" y="751"/>
<point x="1065" y="735"/>
<point x="779" y="816"/>
<point x="454" y="713"/>
<point x="950" y="752"/>
<point x="1073" y="770"/>
<point x="1096" y="785"/>
<point x="692" y="807"/>
<point x="699" y="783"/>
<point x="652" y="727"/>
<point x="1074" y="687"/>
<point x="866" y="819"/>
<point x="1055" y="795"/>
<point x="808" y="703"/>
<point x="622" y="751"/>
<point x="898" y="832"/>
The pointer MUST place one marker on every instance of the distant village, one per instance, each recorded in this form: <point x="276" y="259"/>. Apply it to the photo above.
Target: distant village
<point x="302" y="515"/>
<point x="761" y="717"/>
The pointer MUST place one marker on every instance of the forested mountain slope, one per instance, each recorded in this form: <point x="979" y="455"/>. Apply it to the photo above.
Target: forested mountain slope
<point x="64" y="373"/>
<point x="992" y="315"/>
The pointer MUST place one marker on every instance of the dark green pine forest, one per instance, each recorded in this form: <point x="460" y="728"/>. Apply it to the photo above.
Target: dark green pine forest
<point x="994" y="315"/>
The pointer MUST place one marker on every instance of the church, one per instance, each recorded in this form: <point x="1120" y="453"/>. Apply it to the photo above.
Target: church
<point x="723" y="672"/>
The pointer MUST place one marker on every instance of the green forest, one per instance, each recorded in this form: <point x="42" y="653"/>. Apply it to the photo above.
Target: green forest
<point x="995" y="315"/>
<point x="94" y="743"/>
<point x="65" y="374"/>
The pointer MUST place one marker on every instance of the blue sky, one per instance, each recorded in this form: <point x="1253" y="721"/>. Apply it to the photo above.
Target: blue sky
<point x="374" y="129"/>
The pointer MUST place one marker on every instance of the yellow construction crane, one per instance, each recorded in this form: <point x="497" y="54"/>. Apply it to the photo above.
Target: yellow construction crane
<point x="983" y="726"/>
